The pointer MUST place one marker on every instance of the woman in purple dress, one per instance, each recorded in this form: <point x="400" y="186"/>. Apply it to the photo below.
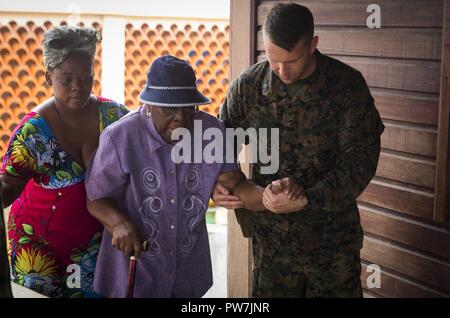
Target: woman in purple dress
<point x="140" y="193"/>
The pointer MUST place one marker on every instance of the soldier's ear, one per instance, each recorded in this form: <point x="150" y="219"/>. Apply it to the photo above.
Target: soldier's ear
<point x="314" y="43"/>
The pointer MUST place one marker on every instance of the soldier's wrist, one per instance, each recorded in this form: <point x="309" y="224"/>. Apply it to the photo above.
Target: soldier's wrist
<point x="308" y="206"/>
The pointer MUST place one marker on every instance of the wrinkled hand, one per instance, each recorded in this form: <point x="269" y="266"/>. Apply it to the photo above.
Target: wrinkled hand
<point x="125" y="238"/>
<point x="279" y="202"/>
<point x="222" y="197"/>
<point x="289" y="186"/>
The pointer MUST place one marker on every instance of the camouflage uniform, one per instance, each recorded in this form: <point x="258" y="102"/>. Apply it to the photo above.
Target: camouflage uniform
<point x="330" y="144"/>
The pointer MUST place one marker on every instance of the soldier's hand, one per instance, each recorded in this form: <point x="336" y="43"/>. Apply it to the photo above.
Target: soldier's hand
<point x="125" y="238"/>
<point x="222" y="197"/>
<point x="280" y="203"/>
<point x="289" y="186"/>
<point x="277" y="186"/>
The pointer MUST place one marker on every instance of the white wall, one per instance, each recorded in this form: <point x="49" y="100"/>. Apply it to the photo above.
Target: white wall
<point x="218" y="245"/>
<point x="113" y="59"/>
<point x="199" y="9"/>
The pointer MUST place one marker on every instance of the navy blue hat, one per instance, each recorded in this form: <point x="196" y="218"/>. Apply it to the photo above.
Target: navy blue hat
<point x="171" y="83"/>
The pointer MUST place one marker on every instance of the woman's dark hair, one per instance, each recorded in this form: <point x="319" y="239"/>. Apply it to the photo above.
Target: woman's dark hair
<point x="288" y="23"/>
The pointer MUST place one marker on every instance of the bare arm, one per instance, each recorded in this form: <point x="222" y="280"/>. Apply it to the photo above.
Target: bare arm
<point x="249" y="193"/>
<point x="125" y="235"/>
<point x="282" y="196"/>
<point x="11" y="188"/>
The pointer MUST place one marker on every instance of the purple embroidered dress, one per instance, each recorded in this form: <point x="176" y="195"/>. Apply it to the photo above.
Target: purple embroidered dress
<point x="166" y="201"/>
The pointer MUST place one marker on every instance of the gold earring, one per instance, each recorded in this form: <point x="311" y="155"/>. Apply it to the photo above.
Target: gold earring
<point x="149" y="114"/>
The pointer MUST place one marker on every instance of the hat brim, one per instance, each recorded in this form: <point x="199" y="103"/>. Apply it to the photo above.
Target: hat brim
<point x="173" y="97"/>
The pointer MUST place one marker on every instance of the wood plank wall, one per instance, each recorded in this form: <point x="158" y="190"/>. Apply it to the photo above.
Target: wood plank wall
<point x="401" y="62"/>
<point x="239" y="276"/>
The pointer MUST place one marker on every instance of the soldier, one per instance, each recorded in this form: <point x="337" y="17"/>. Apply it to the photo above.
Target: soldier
<point x="329" y="146"/>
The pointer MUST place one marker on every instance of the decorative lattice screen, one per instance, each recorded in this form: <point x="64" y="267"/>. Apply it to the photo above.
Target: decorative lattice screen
<point x="206" y="48"/>
<point x="22" y="72"/>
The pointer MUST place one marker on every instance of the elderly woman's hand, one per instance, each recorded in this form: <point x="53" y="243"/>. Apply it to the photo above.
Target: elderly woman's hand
<point x="222" y="197"/>
<point x="125" y="237"/>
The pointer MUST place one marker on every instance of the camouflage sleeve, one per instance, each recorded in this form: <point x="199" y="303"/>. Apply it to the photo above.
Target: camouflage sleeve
<point x="358" y="151"/>
<point x="231" y="110"/>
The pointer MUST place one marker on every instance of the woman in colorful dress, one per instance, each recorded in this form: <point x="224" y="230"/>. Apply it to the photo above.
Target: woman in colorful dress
<point x="53" y="240"/>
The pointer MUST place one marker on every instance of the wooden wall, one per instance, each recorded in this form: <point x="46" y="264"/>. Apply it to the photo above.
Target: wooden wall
<point x="403" y="213"/>
<point x="242" y="17"/>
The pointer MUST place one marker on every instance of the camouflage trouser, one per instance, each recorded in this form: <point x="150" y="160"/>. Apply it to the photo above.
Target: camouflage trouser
<point x="319" y="274"/>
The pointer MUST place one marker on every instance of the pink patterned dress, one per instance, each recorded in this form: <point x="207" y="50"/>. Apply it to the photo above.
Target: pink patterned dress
<point x="53" y="240"/>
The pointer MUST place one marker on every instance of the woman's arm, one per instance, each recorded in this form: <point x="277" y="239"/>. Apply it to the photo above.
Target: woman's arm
<point x="249" y="193"/>
<point x="125" y="235"/>
<point x="11" y="187"/>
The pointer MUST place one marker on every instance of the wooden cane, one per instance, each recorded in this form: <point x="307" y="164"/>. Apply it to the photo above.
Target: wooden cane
<point x="131" y="276"/>
<point x="132" y="272"/>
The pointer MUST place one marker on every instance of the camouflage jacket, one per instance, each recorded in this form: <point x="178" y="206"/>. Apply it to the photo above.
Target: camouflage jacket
<point x="329" y="143"/>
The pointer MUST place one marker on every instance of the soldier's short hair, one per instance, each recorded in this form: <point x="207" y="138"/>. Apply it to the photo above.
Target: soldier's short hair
<point x="288" y="23"/>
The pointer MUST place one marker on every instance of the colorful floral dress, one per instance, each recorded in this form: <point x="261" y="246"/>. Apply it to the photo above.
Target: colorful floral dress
<point x="53" y="240"/>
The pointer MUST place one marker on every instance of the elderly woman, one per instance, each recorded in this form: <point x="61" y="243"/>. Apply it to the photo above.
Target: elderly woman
<point x="141" y="194"/>
<point x="53" y="240"/>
